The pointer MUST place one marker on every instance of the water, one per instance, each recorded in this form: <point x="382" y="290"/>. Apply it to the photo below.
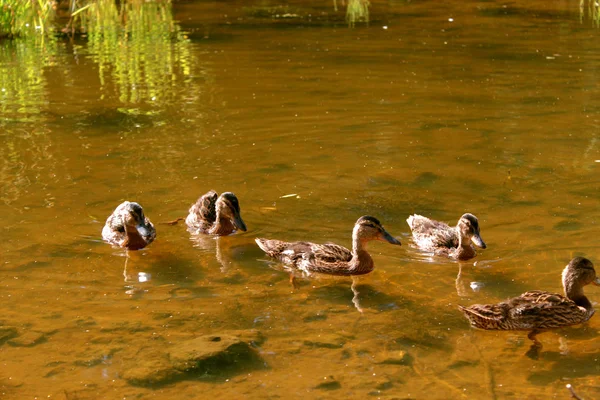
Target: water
<point x="492" y="113"/>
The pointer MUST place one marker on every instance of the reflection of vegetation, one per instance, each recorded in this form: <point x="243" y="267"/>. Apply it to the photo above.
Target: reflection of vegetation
<point x="20" y="17"/>
<point x="589" y="9"/>
<point x="21" y="154"/>
<point x="356" y="11"/>
<point x="140" y="46"/>
<point x="271" y="12"/>
<point x="22" y="79"/>
<point x="141" y="54"/>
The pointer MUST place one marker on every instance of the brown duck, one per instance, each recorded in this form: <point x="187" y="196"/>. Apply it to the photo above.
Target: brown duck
<point x="538" y="311"/>
<point x="215" y="215"/>
<point x="441" y="239"/>
<point x="128" y="227"/>
<point x="330" y="258"/>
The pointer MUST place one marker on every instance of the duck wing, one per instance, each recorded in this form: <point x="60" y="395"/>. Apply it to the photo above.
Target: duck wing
<point x="287" y="252"/>
<point x="430" y="234"/>
<point x="330" y="253"/>
<point x="304" y="254"/>
<point x="531" y="310"/>
<point x="542" y="310"/>
<point x="203" y="214"/>
<point x="206" y="206"/>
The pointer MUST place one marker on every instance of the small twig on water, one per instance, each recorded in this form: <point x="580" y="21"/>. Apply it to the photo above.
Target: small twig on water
<point x="573" y="394"/>
<point x="174" y="222"/>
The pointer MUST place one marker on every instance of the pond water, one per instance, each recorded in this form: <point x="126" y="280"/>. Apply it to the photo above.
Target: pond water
<point x="436" y="108"/>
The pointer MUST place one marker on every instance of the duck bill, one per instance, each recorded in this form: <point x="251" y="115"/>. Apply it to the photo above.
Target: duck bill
<point x="239" y="223"/>
<point x="478" y="241"/>
<point x="385" y="236"/>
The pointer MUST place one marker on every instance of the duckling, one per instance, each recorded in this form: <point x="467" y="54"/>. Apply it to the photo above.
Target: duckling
<point x="453" y="242"/>
<point x="538" y="311"/>
<point x="127" y="227"/>
<point x="330" y="258"/>
<point x="215" y="215"/>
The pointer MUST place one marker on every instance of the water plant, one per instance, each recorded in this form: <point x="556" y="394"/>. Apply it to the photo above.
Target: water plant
<point x="24" y="17"/>
<point x="589" y="9"/>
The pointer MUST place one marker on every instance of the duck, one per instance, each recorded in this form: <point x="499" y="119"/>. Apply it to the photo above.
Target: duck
<point x="537" y="311"/>
<point x="444" y="240"/>
<point x="128" y="227"/>
<point x="330" y="258"/>
<point x="215" y="215"/>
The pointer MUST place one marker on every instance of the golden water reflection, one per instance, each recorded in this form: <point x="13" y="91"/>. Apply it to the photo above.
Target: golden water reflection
<point x="139" y="54"/>
<point x="142" y="51"/>
<point x="23" y="79"/>
<point x="492" y="113"/>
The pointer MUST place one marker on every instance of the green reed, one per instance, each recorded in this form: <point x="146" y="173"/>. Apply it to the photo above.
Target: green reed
<point x="25" y="17"/>
<point x="589" y="9"/>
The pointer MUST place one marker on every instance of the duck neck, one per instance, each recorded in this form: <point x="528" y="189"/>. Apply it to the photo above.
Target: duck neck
<point x="222" y="225"/>
<point x="575" y="293"/>
<point x="361" y="262"/>
<point x="464" y="250"/>
<point x="134" y="240"/>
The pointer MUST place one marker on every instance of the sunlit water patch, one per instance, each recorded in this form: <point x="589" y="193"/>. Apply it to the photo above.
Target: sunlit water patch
<point x="481" y="108"/>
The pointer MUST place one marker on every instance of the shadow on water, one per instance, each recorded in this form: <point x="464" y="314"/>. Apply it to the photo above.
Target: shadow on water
<point x="564" y="366"/>
<point x="368" y="296"/>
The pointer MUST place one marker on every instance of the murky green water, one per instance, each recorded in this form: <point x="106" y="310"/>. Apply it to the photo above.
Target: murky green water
<point x="494" y="113"/>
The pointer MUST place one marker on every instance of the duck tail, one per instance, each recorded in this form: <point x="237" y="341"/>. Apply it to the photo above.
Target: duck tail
<point x="273" y="248"/>
<point x="490" y="317"/>
<point x="262" y="243"/>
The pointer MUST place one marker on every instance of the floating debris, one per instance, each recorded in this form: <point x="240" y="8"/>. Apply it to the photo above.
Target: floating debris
<point x="573" y="394"/>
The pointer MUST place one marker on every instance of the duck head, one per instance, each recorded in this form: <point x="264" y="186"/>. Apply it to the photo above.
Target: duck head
<point x="579" y="273"/>
<point x="229" y="207"/>
<point x="468" y="227"/>
<point x="131" y="217"/>
<point x="369" y="228"/>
